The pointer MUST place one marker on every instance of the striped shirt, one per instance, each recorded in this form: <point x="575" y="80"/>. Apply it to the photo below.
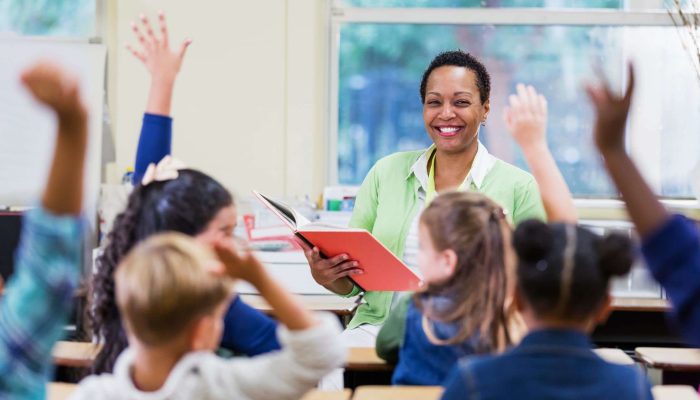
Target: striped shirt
<point x="37" y="302"/>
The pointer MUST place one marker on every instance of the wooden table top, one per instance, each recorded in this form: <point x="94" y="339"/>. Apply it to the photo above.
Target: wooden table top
<point x="316" y="394"/>
<point x="670" y="359"/>
<point x="74" y="354"/>
<point x="314" y="302"/>
<point x="639" y="304"/>
<point x="615" y="356"/>
<point x="345" y="306"/>
<point x="674" y="392"/>
<point x="366" y="359"/>
<point x="59" y="390"/>
<point x="62" y="391"/>
<point x="398" y="393"/>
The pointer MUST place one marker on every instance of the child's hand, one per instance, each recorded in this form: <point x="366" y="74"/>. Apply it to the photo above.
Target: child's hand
<point x="526" y="117"/>
<point x="56" y="89"/>
<point x="611" y="115"/>
<point x="162" y="63"/>
<point x="239" y="264"/>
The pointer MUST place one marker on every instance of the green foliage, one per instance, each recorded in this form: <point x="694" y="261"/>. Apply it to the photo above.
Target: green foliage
<point x="48" y="17"/>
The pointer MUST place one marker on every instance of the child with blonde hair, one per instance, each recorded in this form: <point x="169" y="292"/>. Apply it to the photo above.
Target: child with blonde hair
<point x="172" y="293"/>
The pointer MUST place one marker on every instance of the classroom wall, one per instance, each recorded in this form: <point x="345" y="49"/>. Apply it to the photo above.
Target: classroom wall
<point x="250" y="101"/>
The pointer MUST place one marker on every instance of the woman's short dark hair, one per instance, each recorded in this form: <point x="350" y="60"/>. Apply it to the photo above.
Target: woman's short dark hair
<point x="458" y="58"/>
<point x="576" y="292"/>
<point x="186" y="205"/>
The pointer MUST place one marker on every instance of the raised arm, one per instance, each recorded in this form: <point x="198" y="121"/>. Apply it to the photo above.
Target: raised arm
<point x="526" y="119"/>
<point x="311" y="345"/>
<point x="671" y="246"/>
<point x="646" y="212"/>
<point x="243" y="265"/>
<point x="163" y="64"/>
<point x="38" y="297"/>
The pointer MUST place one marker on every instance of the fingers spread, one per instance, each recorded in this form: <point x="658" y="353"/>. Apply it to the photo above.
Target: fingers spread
<point x="139" y="35"/>
<point x="183" y="47"/>
<point x="149" y="30"/>
<point x="140" y="55"/>
<point x="163" y="28"/>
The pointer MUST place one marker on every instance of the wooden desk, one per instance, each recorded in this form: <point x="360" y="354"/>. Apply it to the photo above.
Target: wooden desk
<point x="314" y="302"/>
<point x="397" y="393"/>
<point x="74" y="354"/>
<point x="642" y="305"/>
<point x="366" y="359"/>
<point x="59" y="390"/>
<point x="670" y="359"/>
<point x="328" y="395"/>
<point x="615" y="356"/>
<point x="674" y="392"/>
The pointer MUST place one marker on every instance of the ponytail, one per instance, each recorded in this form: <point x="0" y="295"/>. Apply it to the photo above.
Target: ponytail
<point x="186" y="204"/>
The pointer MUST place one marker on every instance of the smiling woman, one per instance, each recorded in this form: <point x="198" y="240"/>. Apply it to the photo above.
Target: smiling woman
<point x="455" y="91"/>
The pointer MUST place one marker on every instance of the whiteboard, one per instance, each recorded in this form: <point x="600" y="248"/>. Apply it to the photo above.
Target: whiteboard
<point x="28" y="130"/>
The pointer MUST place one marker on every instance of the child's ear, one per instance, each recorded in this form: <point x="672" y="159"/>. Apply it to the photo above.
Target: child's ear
<point x="604" y="310"/>
<point x="518" y="300"/>
<point x="449" y="262"/>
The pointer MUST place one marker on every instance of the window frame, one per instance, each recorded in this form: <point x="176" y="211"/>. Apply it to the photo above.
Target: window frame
<point x="340" y="15"/>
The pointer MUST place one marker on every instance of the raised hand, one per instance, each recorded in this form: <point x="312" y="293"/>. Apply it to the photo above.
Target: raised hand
<point x="526" y="117"/>
<point x="155" y="52"/>
<point x="60" y="91"/>
<point x="56" y="89"/>
<point x="611" y="114"/>
<point x="239" y="263"/>
<point x="161" y="62"/>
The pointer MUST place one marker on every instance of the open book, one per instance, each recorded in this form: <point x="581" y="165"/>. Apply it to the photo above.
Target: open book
<point x="383" y="271"/>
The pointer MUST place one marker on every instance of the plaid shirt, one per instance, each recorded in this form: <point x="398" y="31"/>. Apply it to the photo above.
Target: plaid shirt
<point x="37" y="302"/>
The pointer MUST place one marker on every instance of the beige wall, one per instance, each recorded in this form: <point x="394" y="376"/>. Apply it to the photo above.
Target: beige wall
<point x="250" y="100"/>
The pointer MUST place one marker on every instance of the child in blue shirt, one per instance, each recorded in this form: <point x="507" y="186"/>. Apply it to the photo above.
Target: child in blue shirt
<point x="193" y="203"/>
<point x="670" y="243"/>
<point x="463" y="255"/>
<point x="563" y="276"/>
<point x="39" y="296"/>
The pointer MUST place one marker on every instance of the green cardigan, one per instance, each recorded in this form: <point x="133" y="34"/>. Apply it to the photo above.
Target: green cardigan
<point x="387" y="204"/>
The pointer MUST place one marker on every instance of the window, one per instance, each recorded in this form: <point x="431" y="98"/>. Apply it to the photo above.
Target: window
<point x="64" y="18"/>
<point x="379" y="58"/>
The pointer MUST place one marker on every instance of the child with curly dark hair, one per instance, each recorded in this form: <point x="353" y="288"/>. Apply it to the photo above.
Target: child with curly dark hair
<point x="186" y="201"/>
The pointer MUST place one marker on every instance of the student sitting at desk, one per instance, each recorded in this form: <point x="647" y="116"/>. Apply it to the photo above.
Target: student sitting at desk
<point x="173" y="293"/>
<point x="563" y="279"/>
<point x="39" y="297"/>
<point x="671" y="244"/>
<point x="185" y="201"/>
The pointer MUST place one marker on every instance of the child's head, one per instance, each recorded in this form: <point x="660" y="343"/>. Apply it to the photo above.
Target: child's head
<point x="167" y="294"/>
<point x="194" y="204"/>
<point x="564" y="272"/>
<point x="463" y="259"/>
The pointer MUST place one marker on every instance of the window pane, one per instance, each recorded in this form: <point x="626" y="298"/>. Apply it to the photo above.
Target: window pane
<point x="48" y="17"/>
<point x="380" y="110"/>
<point x="487" y="3"/>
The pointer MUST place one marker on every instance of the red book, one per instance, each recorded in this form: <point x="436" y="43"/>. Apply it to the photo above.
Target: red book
<point x="383" y="271"/>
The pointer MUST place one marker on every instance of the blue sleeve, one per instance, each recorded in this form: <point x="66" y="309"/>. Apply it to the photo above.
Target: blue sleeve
<point x="38" y="301"/>
<point x="455" y="387"/>
<point x="248" y="331"/>
<point x="672" y="253"/>
<point x="155" y="142"/>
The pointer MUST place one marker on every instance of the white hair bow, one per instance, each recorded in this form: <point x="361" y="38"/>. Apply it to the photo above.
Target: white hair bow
<point x="165" y="170"/>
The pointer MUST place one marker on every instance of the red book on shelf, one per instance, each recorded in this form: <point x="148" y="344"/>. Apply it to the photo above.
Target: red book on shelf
<point x="383" y="271"/>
